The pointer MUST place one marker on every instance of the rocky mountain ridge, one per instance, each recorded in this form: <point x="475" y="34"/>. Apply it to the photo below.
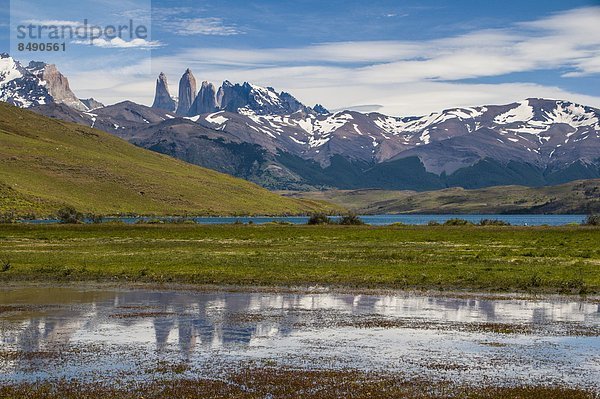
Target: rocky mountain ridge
<point x="37" y="83"/>
<point x="271" y="138"/>
<point x="228" y="97"/>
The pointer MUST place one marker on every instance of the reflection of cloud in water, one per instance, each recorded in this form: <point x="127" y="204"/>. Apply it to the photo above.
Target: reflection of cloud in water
<point x="193" y="324"/>
<point x="205" y="319"/>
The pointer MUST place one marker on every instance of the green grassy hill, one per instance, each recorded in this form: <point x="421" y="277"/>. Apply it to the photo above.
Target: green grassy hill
<point x="579" y="197"/>
<point x="46" y="164"/>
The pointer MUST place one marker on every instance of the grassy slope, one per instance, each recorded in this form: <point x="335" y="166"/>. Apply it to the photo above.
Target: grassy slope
<point x="580" y="197"/>
<point x="45" y="164"/>
<point x="560" y="259"/>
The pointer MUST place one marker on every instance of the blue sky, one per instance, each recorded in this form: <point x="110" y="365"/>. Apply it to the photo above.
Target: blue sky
<point x="397" y="57"/>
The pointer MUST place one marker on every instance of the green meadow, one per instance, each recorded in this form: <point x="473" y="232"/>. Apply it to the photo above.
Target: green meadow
<point x="491" y="259"/>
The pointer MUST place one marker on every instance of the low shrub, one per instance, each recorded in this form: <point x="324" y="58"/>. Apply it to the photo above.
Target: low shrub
<point x="592" y="220"/>
<point x="493" y="222"/>
<point x="151" y="221"/>
<point x="351" y="219"/>
<point x="457" y="222"/>
<point x="318" y="219"/>
<point x="69" y="215"/>
<point x="433" y="223"/>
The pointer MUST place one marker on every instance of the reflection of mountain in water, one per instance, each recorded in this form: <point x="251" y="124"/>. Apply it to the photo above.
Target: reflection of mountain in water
<point x="188" y="322"/>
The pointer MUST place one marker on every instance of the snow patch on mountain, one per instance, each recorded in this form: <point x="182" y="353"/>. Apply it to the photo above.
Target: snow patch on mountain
<point x="523" y="112"/>
<point x="216" y="118"/>
<point x="425" y="138"/>
<point x="525" y="122"/>
<point x="316" y="129"/>
<point x="265" y="95"/>
<point x="329" y="124"/>
<point x="396" y="125"/>
<point x="572" y="115"/>
<point x="467" y="113"/>
<point x="9" y="70"/>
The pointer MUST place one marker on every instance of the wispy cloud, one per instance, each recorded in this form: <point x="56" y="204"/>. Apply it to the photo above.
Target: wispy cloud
<point x="185" y="21"/>
<point x="53" y="22"/>
<point x="396" y="15"/>
<point x="545" y="44"/>
<point x="202" y="26"/>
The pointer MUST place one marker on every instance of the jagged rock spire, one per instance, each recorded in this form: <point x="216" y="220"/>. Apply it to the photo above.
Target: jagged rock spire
<point x="162" y="98"/>
<point x="187" y="93"/>
<point x="206" y="101"/>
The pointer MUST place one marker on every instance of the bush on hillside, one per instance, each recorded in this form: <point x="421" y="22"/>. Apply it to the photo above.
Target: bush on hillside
<point x="8" y="218"/>
<point x="69" y="215"/>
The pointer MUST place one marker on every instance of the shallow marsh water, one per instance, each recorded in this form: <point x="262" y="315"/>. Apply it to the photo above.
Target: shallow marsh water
<point x="47" y="333"/>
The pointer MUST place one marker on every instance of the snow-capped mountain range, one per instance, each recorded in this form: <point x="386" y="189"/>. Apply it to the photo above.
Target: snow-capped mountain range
<point x="273" y="139"/>
<point x="541" y="131"/>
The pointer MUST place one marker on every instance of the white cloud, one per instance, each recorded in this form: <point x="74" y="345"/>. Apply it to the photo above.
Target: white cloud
<point x="340" y="52"/>
<point x="117" y="42"/>
<point x="425" y="97"/>
<point x="590" y="66"/>
<point x="114" y="85"/>
<point x="179" y="21"/>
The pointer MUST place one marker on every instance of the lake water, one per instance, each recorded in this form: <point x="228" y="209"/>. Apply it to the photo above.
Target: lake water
<point x="50" y="333"/>
<point x="382" y="220"/>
